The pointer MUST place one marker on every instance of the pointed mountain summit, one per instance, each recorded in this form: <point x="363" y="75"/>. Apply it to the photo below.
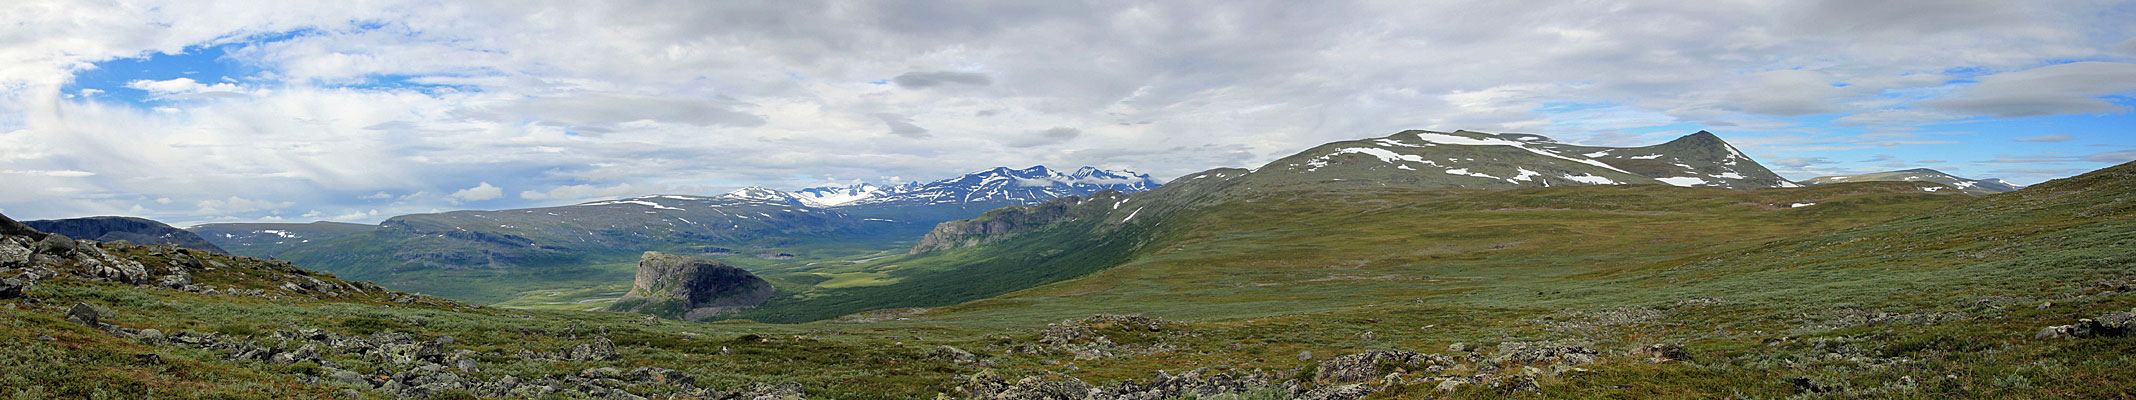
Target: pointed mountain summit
<point x="1478" y="160"/>
<point x="1974" y="186"/>
<point x="1700" y="159"/>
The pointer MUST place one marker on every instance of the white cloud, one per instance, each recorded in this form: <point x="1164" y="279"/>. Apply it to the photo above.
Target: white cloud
<point x="478" y="193"/>
<point x="585" y="192"/>
<point x="2073" y="88"/>
<point x="2049" y="138"/>
<point x="361" y="216"/>
<point x="647" y="96"/>
<point x="238" y="205"/>
<point x="50" y="173"/>
<point x="180" y="86"/>
<point x="1052" y="136"/>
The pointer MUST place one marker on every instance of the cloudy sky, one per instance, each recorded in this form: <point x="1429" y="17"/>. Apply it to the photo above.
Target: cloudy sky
<point x="356" y="110"/>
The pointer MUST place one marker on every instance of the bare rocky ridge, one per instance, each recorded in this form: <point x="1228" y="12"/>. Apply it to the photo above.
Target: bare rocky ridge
<point x="690" y="288"/>
<point x="138" y="231"/>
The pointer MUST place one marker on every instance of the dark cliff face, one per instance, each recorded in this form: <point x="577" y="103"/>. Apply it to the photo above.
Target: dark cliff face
<point x="132" y="230"/>
<point x="690" y="288"/>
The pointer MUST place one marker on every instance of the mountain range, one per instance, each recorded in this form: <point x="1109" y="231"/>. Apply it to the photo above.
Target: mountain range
<point x="1024" y="246"/>
<point x="486" y="255"/>
<point x="1976" y="186"/>
<point x="516" y="251"/>
<point x="1418" y="265"/>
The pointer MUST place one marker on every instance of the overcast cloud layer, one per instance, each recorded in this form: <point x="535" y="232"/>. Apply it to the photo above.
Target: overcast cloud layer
<point x="360" y="110"/>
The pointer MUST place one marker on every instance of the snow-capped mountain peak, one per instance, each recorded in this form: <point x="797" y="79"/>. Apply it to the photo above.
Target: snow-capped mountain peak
<point x="837" y="195"/>
<point x="767" y="194"/>
<point x="1004" y="185"/>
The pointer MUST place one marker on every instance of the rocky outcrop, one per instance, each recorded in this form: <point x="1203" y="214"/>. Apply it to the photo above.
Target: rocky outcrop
<point x="2115" y="324"/>
<point x="1003" y="223"/>
<point x="28" y="257"/>
<point x="409" y="366"/>
<point x="690" y="288"/>
<point x="132" y="230"/>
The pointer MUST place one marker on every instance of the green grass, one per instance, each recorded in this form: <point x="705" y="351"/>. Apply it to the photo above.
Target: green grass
<point x="1879" y="291"/>
<point x="854" y="279"/>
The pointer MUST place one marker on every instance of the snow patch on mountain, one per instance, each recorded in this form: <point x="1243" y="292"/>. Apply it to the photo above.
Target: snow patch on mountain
<point x="998" y="185"/>
<point x="1686" y="181"/>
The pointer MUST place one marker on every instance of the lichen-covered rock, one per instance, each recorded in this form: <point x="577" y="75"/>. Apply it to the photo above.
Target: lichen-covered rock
<point x="1367" y="365"/>
<point x="11" y="288"/>
<point x="15" y="251"/>
<point x="954" y="354"/>
<point x="690" y="288"/>
<point x="83" y="314"/>
<point x="2114" y="324"/>
<point x="1543" y="352"/>
<point x="56" y="244"/>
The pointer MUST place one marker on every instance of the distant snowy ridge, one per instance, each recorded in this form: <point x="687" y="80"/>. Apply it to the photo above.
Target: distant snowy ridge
<point x="998" y="185"/>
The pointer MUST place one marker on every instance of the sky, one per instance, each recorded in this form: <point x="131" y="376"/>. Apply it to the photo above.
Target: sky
<point x="358" y="110"/>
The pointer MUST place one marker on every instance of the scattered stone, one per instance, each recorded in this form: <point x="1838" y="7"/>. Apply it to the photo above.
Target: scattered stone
<point x="1362" y="366"/>
<point x="14" y="252"/>
<point x="1344" y="392"/>
<point x="760" y="391"/>
<point x="350" y="377"/>
<point x="1543" y="352"/>
<point x="1450" y="385"/>
<point x="11" y="288"/>
<point x="2114" y="324"/>
<point x="954" y="354"/>
<point x="83" y="314"/>
<point x="1305" y="355"/>
<point x="150" y="336"/>
<point x="1662" y="352"/>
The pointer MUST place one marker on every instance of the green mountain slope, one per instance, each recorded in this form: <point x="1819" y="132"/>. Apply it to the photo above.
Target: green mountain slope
<point x="271" y="239"/>
<point x="1028" y="246"/>
<point x="1890" y="279"/>
<point x="1877" y="290"/>
<point x="490" y="256"/>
